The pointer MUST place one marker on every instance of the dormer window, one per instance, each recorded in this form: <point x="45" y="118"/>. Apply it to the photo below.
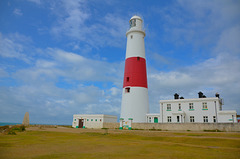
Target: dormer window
<point x="132" y="23"/>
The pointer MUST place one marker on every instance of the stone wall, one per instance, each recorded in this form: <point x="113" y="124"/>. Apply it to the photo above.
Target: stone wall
<point x="111" y="125"/>
<point x="229" y="127"/>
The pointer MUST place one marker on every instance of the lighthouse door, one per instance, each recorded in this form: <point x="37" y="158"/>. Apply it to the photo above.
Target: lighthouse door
<point x="80" y="123"/>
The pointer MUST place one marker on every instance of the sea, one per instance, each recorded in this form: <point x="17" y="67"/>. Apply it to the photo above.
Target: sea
<point x="3" y="123"/>
<point x="6" y="123"/>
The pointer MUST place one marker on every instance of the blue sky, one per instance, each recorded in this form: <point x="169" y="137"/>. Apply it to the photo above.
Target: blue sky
<point x="59" y="58"/>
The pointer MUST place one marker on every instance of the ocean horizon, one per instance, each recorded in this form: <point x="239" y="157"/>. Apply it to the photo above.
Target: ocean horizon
<point x="9" y="123"/>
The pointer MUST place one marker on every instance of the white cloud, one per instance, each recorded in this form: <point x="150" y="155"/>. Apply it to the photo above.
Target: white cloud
<point x="220" y="74"/>
<point x="17" y="12"/>
<point x="229" y="41"/>
<point x="78" y="24"/>
<point x="14" y="46"/>
<point x="201" y="29"/>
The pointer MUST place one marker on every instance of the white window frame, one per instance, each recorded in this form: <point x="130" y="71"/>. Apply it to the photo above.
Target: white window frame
<point x="179" y="106"/>
<point x="169" y="119"/>
<point x="168" y="107"/>
<point x="204" y="105"/>
<point x="192" y="120"/>
<point x="214" y="119"/>
<point x="191" y="106"/>
<point x="205" y="119"/>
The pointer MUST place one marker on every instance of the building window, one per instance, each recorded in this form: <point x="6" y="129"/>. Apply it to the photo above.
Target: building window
<point x="91" y="119"/>
<point x="75" y="119"/>
<point x="127" y="90"/>
<point x="100" y="120"/>
<point x="87" y="119"/>
<point x="127" y="79"/>
<point x="179" y="107"/>
<point x="168" y="107"/>
<point x="192" y="119"/>
<point x="204" y="106"/>
<point x="205" y="119"/>
<point x="214" y="119"/>
<point x="131" y="36"/>
<point x="169" y="119"/>
<point x="150" y="120"/>
<point x="95" y="119"/>
<point x="191" y="106"/>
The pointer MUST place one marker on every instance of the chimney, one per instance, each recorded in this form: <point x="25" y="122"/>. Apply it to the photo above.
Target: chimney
<point x="217" y="95"/>
<point x="176" y="96"/>
<point x="200" y="94"/>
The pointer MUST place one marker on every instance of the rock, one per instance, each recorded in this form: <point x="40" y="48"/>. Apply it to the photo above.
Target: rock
<point x="26" y="119"/>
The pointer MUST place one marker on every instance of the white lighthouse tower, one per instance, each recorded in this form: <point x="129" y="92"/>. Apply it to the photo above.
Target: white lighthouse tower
<point x="135" y="89"/>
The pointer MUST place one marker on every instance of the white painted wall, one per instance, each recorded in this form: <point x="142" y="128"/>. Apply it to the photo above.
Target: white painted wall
<point x="93" y="120"/>
<point x="213" y="109"/>
<point x="135" y="104"/>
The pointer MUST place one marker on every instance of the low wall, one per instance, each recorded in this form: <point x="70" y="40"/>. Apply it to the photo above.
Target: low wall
<point x="111" y="125"/>
<point x="229" y="127"/>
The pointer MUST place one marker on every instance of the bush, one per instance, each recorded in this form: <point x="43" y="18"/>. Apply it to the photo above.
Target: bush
<point x="155" y="129"/>
<point x="4" y="128"/>
<point x="19" y="128"/>
<point x="12" y="132"/>
<point x="212" y="130"/>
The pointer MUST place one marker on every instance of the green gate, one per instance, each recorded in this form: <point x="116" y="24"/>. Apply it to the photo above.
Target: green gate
<point x="155" y="119"/>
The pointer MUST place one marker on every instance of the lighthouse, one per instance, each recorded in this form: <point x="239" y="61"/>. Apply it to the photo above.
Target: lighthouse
<point x="135" y="104"/>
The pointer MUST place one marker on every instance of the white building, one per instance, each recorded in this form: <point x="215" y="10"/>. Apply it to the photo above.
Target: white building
<point x="197" y="110"/>
<point x="92" y="120"/>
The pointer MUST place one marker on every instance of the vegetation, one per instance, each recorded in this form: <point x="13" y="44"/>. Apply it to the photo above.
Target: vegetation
<point x="12" y="130"/>
<point x="216" y="130"/>
<point x="82" y="143"/>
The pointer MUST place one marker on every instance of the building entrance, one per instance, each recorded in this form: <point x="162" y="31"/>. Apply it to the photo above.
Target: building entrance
<point x="80" y="123"/>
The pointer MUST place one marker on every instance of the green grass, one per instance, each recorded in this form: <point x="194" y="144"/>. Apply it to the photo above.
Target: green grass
<point x="121" y="144"/>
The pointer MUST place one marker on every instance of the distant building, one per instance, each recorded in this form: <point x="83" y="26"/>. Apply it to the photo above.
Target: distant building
<point x="92" y="120"/>
<point x="197" y="110"/>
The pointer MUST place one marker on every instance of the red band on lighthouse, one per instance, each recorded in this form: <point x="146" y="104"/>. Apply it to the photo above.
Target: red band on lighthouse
<point x="135" y="73"/>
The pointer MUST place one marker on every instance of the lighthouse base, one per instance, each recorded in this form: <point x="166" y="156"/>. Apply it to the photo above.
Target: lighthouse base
<point x="134" y="104"/>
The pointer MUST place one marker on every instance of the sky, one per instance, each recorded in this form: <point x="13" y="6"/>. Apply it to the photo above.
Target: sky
<point x="65" y="57"/>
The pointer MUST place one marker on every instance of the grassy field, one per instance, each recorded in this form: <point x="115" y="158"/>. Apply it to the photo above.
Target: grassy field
<point x="119" y="144"/>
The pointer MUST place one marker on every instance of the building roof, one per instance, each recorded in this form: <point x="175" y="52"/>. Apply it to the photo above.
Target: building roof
<point x="190" y="100"/>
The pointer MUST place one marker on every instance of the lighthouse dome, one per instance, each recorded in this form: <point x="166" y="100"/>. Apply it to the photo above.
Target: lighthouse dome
<point x="136" y="17"/>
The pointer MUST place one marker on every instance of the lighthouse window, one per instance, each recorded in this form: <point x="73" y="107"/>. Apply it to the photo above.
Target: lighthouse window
<point x="138" y="58"/>
<point x="132" y="22"/>
<point x="127" y="79"/>
<point x="127" y="90"/>
<point x="131" y="36"/>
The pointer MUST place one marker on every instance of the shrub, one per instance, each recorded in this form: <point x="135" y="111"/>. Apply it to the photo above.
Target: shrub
<point x="155" y="129"/>
<point x="212" y="130"/>
<point x="12" y="132"/>
<point x="19" y="128"/>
